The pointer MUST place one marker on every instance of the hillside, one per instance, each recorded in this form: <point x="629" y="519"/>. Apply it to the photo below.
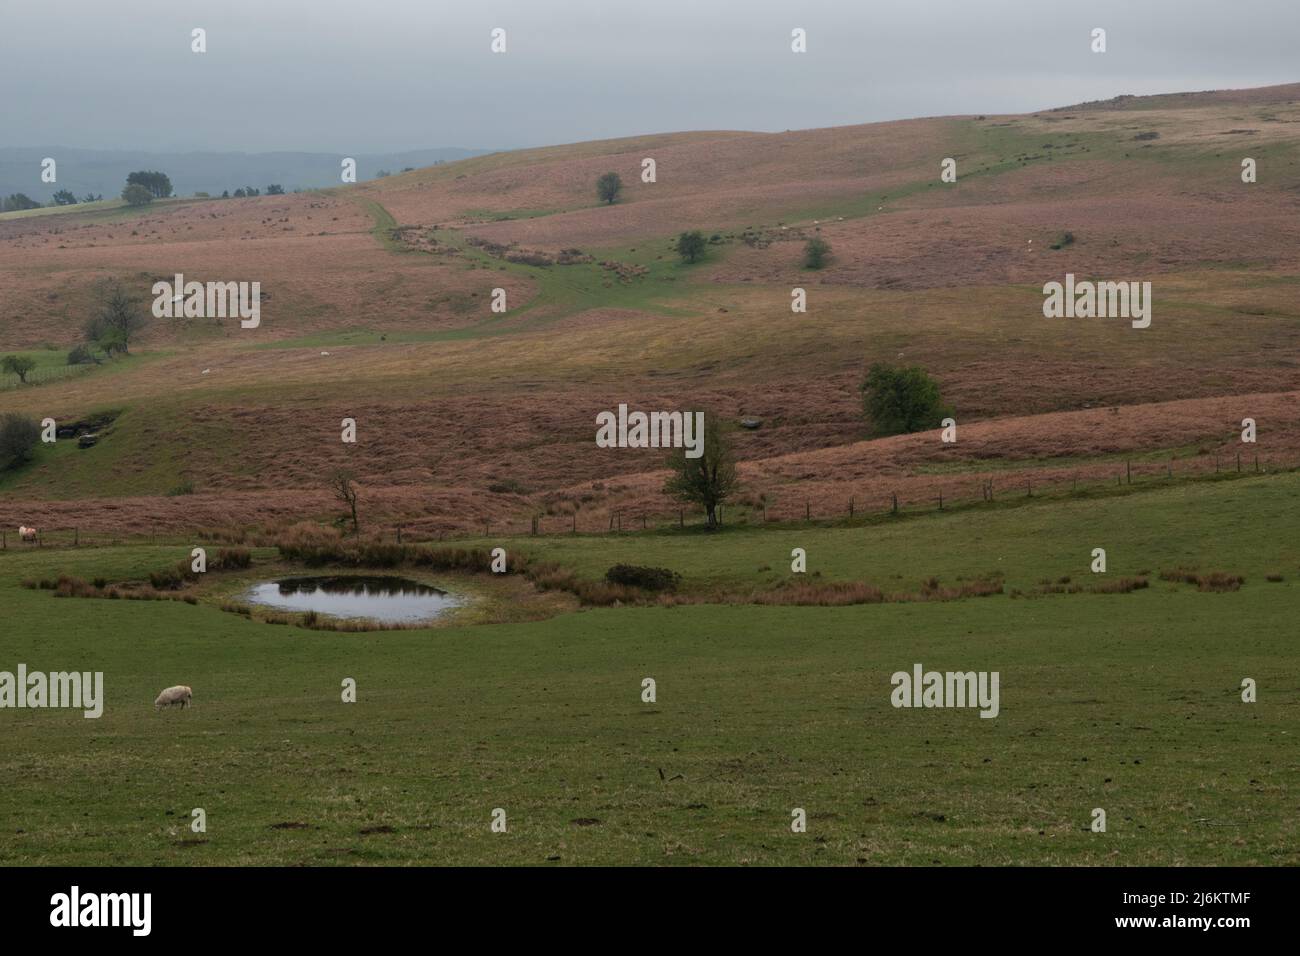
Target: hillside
<point x="393" y="278"/>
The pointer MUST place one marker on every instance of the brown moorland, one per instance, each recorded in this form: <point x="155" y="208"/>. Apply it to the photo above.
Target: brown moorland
<point x="376" y="307"/>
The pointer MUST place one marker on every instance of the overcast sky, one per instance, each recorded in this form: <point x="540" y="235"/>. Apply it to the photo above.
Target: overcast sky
<point x="384" y="75"/>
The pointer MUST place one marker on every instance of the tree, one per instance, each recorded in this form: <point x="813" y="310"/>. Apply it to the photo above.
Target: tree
<point x="690" y="245"/>
<point x="608" y="187"/>
<point x="118" y="318"/>
<point x="18" y="436"/>
<point x="275" y="189"/>
<point x="64" y="198"/>
<point x="158" y="184"/>
<point x="137" y="195"/>
<point x="18" y="365"/>
<point x="345" y="490"/>
<point x="91" y="197"/>
<point x="902" y="400"/>
<point x="18" y="201"/>
<point x="816" y="252"/>
<point x="706" y="481"/>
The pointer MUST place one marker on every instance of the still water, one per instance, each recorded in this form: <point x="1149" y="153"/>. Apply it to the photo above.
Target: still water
<point x="387" y="599"/>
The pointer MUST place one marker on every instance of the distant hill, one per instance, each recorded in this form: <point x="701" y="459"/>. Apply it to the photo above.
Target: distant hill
<point x="105" y="171"/>
<point x="1257" y="96"/>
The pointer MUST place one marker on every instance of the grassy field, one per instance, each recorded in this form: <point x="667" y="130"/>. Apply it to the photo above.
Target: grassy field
<point x="1126" y="702"/>
<point x="377" y="309"/>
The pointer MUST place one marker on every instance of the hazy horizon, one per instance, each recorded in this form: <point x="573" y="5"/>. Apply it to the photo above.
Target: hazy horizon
<point x="336" y="77"/>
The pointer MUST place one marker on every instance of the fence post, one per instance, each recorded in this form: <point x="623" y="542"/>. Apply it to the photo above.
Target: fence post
<point x="575" y="522"/>
<point x="1128" y="470"/>
<point x="940" y="502"/>
<point x="76" y="537"/>
<point x="1257" y="462"/>
<point x="1029" y="489"/>
<point x="1238" y="462"/>
<point x="894" y="496"/>
<point x="850" y="506"/>
<point x="807" y="510"/>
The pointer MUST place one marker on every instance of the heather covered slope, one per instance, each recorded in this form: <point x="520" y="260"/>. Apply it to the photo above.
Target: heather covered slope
<point x="393" y="280"/>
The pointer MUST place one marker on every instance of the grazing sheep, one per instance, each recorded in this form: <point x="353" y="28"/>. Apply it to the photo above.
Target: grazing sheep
<point x="26" y="533"/>
<point x="180" y="694"/>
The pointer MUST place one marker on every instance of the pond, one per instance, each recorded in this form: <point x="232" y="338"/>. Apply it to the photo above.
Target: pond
<point x="389" y="600"/>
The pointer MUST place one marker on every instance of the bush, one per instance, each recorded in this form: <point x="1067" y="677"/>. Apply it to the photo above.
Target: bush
<point x="816" y="252"/>
<point x="902" y="400"/>
<point x="231" y="559"/>
<point x="81" y="355"/>
<point x="649" y="579"/>
<point x="137" y="195"/>
<point x="18" y="438"/>
<point x="168" y="579"/>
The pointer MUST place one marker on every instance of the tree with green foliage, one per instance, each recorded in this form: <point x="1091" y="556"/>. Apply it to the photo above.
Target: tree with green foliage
<point x="18" y="201"/>
<point x="901" y="400"/>
<point x="18" y="438"/>
<point x="690" y="245"/>
<point x="158" y="184"/>
<point x="137" y="195"/>
<point x="64" y="197"/>
<point x="815" y="253"/>
<point x="18" y="365"/>
<point x="275" y="189"/>
<point x="608" y="187"/>
<point x="708" y="480"/>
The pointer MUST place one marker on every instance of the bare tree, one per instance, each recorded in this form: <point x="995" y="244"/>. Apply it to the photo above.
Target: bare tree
<point x="345" y="490"/>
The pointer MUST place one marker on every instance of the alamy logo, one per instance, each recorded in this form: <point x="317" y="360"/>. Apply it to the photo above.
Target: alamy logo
<point x="57" y="689"/>
<point x="210" y="300"/>
<point x="653" y="430"/>
<point x="1102" y="300"/>
<point x="953" y="689"/>
<point x="103" y="909"/>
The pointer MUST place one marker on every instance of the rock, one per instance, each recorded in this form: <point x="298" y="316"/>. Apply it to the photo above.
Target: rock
<point x="87" y="441"/>
<point x="751" y="423"/>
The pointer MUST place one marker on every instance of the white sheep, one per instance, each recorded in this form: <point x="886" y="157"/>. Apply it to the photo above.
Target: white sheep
<point x="180" y="694"/>
<point x="26" y="534"/>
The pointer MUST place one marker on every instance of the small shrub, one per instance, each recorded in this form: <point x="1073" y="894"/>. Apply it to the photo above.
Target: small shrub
<point x="168" y="579"/>
<point x="231" y="559"/>
<point x="815" y="253"/>
<point x="1120" y="586"/>
<point x="646" y="578"/>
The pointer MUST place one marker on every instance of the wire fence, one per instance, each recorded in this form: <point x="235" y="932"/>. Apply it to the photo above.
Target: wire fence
<point x="41" y="375"/>
<point x="968" y="491"/>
